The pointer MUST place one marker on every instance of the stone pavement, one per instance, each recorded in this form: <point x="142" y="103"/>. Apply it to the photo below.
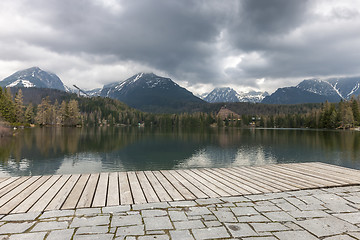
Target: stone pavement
<point x="327" y="213"/>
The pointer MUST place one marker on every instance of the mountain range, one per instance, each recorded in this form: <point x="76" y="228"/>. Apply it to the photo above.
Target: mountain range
<point x="227" y="94"/>
<point x="316" y="91"/>
<point x="149" y="92"/>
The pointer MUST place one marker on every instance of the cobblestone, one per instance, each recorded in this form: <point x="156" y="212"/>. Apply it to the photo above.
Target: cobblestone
<point x="47" y="226"/>
<point x="326" y="214"/>
<point x="27" y="236"/>
<point x="126" y="220"/>
<point x="90" y="221"/>
<point x="211" y="233"/>
<point x="130" y="230"/>
<point x="181" y="235"/>
<point x="157" y="223"/>
<point x="21" y="217"/>
<point x="65" y="234"/>
<point x="92" y="230"/>
<point x="15" y="227"/>
<point x="57" y="213"/>
<point x="189" y="224"/>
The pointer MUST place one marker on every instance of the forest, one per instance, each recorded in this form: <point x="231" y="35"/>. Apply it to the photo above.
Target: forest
<point x="98" y="111"/>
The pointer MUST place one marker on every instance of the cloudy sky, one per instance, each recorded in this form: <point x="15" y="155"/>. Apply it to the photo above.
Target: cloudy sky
<point x="200" y="44"/>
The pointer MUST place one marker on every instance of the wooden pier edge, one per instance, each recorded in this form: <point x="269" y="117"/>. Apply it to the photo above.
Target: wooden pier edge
<point x="73" y="191"/>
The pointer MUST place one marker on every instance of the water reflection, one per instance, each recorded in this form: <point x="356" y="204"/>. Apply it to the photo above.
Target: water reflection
<point x="85" y="150"/>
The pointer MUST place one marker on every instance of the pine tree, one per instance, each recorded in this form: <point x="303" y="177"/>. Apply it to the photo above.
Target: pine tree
<point x="7" y="107"/>
<point x="63" y="113"/>
<point x="44" y="112"/>
<point x="29" y="114"/>
<point x="356" y="111"/>
<point x="348" y="118"/>
<point x="74" y="113"/>
<point x="19" y="107"/>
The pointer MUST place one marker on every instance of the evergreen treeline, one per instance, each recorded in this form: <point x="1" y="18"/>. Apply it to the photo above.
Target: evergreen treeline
<point x="15" y="112"/>
<point x="104" y="111"/>
<point x="345" y="114"/>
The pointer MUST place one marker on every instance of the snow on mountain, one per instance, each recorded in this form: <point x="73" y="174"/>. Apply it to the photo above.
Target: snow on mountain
<point x="252" y="96"/>
<point x="227" y="94"/>
<point x="94" y="92"/>
<point x="148" y="91"/>
<point x="22" y="83"/>
<point x="33" y="77"/>
<point x="317" y="90"/>
<point x="224" y="94"/>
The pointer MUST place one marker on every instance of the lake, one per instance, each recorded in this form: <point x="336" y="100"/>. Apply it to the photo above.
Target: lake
<point x="43" y="151"/>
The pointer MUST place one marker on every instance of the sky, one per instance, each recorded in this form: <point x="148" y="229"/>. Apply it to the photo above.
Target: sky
<point x="200" y="44"/>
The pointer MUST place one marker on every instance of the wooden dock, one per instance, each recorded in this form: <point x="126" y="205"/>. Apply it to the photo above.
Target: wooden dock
<point x="43" y="193"/>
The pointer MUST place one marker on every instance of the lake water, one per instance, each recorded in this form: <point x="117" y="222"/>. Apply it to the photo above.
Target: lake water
<point x="42" y="151"/>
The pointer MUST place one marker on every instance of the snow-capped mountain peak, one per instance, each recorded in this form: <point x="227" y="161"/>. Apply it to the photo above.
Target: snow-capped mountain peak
<point x="224" y="94"/>
<point x="33" y="77"/>
<point x="227" y="94"/>
<point x="317" y="90"/>
<point x="146" y="90"/>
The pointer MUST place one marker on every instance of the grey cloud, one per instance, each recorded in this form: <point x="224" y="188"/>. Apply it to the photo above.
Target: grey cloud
<point x="258" y="23"/>
<point x="161" y="34"/>
<point x="187" y="40"/>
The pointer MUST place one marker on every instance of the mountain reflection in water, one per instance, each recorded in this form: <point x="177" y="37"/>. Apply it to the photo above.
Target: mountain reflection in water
<point x="43" y="151"/>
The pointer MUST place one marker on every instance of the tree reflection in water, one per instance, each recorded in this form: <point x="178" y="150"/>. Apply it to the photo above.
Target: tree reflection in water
<point x="41" y="151"/>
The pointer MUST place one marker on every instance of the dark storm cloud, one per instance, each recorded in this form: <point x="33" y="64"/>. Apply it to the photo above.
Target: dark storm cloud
<point x="259" y="22"/>
<point x="290" y="40"/>
<point x="211" y="42"/>
<point x="166" y="35"/>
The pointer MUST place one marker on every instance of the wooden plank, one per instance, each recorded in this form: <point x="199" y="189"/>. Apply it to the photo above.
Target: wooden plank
<point x="336" y="168"/>
<point x="296" y="182"/>
<point x="204" y="181"/>
<point x="174" y="194"/>
<point x="287" y="174"/>
<point x="240" y="185"/>
<point x="36" y="195"/>
<point x="61" y="196"/>
<point x="315" y="181"/>
<point x="74" y="196"/>
<point x="205" y="189"/>
<point x="12" y="185"/>
<point x="224" y="182"/>
<point x="326" y="182"/>
<point x="158" y="188"/>
<point x="194" y="190"/>
<point x="10" y="205"/>
<point x="324" y="174"/>
<point x="113" y="190"/>
<point x="178" y="185"/>
<point x="149" y="192"/>
<point x="349" y="173"/>
<point x="272" y="182"/>
<point x="243" y="173"/>
<point x="259" y="178"/>
<point x="309" y="172"/>
<point x="7" y="181"/>
<point x="42" y="203"/>
<point x="125" y="191"/>
<point x="284" y="186"/>
<point x="18" y="189"/>
<point x="136" y="188"/>
<point x="243" y="180"/>
<point x="101" y="191"/>
<point x="3" y="179"/>
<point x="87" y="196"/>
